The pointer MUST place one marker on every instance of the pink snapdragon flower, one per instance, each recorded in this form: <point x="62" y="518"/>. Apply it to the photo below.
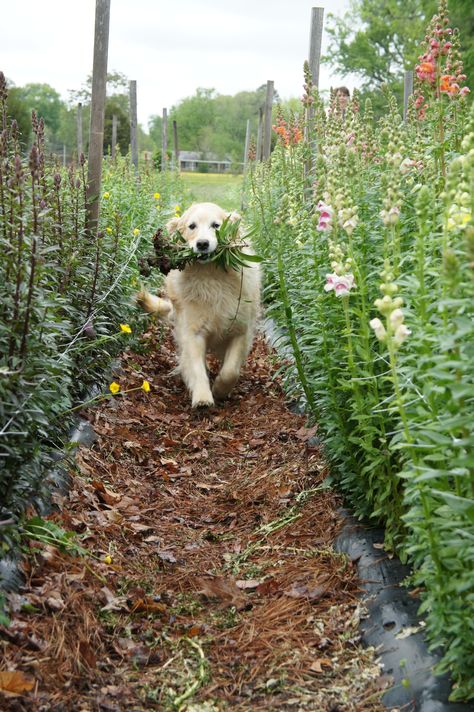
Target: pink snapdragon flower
<point x="325" y="216"/>
<point x="341" y="284"/>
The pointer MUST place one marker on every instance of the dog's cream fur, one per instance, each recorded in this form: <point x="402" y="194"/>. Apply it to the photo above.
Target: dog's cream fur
<point x="212" y="310"/>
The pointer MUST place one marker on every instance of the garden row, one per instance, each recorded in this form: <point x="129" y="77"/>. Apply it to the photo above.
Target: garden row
<point x="66" y="306"/>
<point x="368" y="233"/>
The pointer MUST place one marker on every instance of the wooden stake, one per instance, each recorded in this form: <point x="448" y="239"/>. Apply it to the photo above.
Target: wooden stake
<point x="80" y="143"/>
<point x="407" y="91"/>
<point x="247" y="144"/>
<point x="176" y="149"/>
<point x="258" y="156"/>
<point x="315" y="40"/>
<point x="164" y="140"/>
<point x="114" y="136"/>
<point x="267" y="127"/>
<point x="133" y="123"/>
<point x="99" y="89"/>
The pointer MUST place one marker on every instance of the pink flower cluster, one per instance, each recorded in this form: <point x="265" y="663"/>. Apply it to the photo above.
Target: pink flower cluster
<point x="340" y="283"/>
<point x="325" y="216"/>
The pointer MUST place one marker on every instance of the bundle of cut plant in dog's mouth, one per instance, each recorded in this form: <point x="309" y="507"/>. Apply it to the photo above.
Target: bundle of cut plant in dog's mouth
<point x="174" y="252"/>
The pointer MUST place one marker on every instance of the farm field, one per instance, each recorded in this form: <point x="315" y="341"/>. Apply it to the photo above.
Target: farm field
<point x="225" y="190"/>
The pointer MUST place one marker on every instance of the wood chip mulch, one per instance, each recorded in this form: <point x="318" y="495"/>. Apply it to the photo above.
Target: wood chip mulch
<point x="210" y="582"/>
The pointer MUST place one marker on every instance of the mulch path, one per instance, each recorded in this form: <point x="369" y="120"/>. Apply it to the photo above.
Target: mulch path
<point x="210" y="581"/>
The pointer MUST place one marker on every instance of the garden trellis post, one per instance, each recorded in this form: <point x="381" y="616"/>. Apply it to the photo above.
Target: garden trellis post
<point x="258" y="156"/>
<point x="407" y="90"/>
<point x="133" y="123"/>
<point x="80" y="142"/>
<point x="267" y="128"/>
<point x="96" y="136"/>
<point x="247" y="145"/>
<point x="176" y="149"/>
<point x="315" y="40"/>
<point x="164" y="139"/>
<point x="114" y="136"/>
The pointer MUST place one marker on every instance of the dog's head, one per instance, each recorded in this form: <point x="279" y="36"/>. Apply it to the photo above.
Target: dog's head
<point x="198" y="225"/>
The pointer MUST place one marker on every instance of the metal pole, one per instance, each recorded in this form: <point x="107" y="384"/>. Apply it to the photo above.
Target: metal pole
<point x="267" y="133"/>
<point x="99" y="88"/>
<point x="315" y="40"/>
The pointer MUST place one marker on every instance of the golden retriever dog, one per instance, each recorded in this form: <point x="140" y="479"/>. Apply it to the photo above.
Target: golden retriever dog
<point x="212" y="309"/>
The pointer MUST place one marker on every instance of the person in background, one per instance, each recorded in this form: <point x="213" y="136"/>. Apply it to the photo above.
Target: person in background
<point x="342" y="96"/>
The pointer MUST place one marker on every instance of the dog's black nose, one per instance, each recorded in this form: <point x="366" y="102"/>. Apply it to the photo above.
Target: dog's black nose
<point x="202" y="245"/>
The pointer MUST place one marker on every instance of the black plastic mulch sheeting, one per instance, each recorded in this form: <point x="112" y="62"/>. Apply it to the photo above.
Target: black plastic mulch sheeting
<point x="391" y="610"/>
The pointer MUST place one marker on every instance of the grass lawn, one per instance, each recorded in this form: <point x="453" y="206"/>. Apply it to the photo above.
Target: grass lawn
<point x="220" y="188"/>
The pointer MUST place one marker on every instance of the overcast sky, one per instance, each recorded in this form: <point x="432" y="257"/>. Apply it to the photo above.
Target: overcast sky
<point x="169" y="47"/>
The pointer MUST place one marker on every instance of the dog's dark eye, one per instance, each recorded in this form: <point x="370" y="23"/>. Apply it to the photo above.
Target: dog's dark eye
<point x="215" y="225"/>
<point x="192" y="226"/>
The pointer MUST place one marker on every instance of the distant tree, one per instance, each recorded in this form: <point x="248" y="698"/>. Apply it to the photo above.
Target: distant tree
<point x="378" y="39"/>
<point x="117" y="105"/>
<point x="19" y="110"/>
<point x="46" y="101"/>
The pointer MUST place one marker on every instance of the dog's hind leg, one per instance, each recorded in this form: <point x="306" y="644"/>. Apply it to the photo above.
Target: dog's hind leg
<point x="228" y="376"/>
<point x="192" y="367"/>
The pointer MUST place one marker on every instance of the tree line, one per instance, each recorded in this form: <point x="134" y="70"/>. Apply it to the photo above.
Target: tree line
<point x="374" y="43"/>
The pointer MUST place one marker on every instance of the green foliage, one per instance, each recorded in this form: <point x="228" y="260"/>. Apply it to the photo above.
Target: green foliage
<point x="214" y="123"/>
<point x="368" y="234"/>
<point x="63" y="298"/>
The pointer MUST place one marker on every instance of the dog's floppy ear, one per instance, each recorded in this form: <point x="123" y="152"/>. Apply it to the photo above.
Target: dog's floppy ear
<point x="172" y="225"/>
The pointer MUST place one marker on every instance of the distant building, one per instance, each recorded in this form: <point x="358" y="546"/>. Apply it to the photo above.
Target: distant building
<point x="203" y="162"/>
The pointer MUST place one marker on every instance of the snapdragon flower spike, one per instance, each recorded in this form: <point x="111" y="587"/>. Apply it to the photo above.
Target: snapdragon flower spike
<point x="325" y="216"/>
<point x="340" y="283"/>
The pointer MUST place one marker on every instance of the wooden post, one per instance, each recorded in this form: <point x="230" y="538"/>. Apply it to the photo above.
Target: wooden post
<point x="176" y="149"/>
<point x="114" y="136"/>
<point x="164" y="140"/>
<point x="133" y="123"/>
<point x="407" y="91"/>
<point x="80" y="142"/>
<point x="315" y="39"/>
<point x="247" y="144"/>
<point x="96" y="138"/>
<point x="258" y="156"/>
<point x="267" y="127"/>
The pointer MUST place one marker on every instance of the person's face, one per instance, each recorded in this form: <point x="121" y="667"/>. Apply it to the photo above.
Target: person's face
<point x="343" y="100"/>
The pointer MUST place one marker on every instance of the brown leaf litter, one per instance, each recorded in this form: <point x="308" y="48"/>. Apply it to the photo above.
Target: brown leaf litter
<point x="210" y="581"/>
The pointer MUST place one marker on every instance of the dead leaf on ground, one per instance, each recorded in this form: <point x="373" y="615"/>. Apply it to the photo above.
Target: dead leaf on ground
<point x="104" y="494"/>
<point x="303" y="591"/>
<point x="15" y="682"/>
<point x="224" y="590"/>
<point x="317" y="666"/>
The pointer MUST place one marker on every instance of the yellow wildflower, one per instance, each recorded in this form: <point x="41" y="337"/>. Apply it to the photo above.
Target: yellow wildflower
<point x="108" y="559"/>
<point x="114" y="387"/>
<point x="177" y="209"/>
<point x="157" y="196"/>
<point x="108" y="230"/>
<point x="146" y="386"/>
<point x="125" y="328"/>
<point x="136" y="231"/>
<point x="106" y="196"/>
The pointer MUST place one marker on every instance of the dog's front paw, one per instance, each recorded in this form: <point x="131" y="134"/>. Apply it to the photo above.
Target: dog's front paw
<point x="202" y="399"/>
